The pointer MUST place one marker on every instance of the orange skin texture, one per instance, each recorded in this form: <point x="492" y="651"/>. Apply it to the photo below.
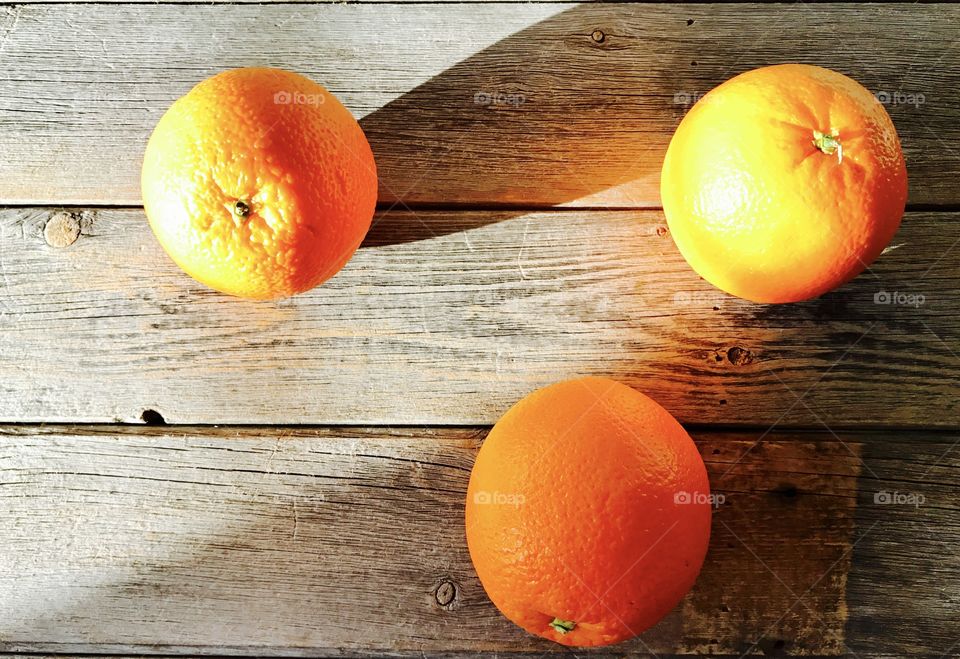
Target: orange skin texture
<point x="571" y="512"/>
<point x="304" y="170"/>
<point x="761" y="212"/>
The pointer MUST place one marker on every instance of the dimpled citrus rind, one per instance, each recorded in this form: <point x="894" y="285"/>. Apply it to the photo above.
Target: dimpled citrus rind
<point x="290" y="152"/>
<point x="757" y="209"/>
<point x="576" y="512"/>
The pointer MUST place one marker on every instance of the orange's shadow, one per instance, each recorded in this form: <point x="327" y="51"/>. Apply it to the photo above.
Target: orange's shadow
<point x="510" y="126"/>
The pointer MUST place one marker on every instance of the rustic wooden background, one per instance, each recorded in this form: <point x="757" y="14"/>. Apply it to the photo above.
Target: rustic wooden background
<point x="184" y="473"/>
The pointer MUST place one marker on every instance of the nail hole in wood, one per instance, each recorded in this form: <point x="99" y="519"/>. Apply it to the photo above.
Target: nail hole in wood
<point x="153" y="418"/>
<point x="769" y="647"/>
<point x="787" y="490"/>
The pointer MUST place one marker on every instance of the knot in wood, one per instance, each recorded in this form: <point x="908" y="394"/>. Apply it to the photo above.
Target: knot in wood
<point x="445" y="594"/>
<point x="62" y="230"/>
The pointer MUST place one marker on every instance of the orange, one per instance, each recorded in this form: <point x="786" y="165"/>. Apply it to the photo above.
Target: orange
<point x="587" y="514"/>
<point x="783" y="183"/>
<point x="259" y="183"/>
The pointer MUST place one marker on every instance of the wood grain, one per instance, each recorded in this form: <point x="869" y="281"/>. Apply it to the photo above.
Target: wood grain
<point x="525" y="104"/>
<point x="450" y="317"/>
<point x="312" y="541"/>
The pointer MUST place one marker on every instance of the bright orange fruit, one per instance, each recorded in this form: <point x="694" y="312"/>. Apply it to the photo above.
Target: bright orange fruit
<point x="587" y="513"/>
<point x="259" y="183"/>
<point x="784" y="183"/>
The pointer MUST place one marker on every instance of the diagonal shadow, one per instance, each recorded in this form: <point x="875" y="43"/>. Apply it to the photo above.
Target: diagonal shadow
<point x="580" y="107"/>
<point x="512" y="123"/>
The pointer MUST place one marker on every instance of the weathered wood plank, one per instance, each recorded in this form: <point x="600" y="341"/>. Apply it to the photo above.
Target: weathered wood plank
<point x="296" y="541"/>
<point x="916" y="487"/>
<point x="533" y="104"/>
<point x="450" y="317"/>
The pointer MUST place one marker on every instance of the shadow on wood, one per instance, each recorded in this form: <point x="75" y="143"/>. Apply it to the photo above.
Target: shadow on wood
<point x="515" y="123"/>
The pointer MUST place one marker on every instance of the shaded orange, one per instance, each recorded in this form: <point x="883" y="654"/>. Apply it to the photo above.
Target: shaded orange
<point x="575" y="512"/>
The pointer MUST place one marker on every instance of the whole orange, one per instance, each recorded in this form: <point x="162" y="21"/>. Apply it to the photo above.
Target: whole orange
<point x="259" y="183"/>
<point x="587" y="514"/>
<point x="783" y="183"/>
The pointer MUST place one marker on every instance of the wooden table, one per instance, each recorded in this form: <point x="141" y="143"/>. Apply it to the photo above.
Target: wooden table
<point x="185" y="473"/>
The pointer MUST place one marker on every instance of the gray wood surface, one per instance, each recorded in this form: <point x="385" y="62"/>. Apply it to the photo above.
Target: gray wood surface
<point x="449" y="317"/>
<point x="348" y="541"/>
<point x="296" y="541"/>
<point x="476" y="103"/>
